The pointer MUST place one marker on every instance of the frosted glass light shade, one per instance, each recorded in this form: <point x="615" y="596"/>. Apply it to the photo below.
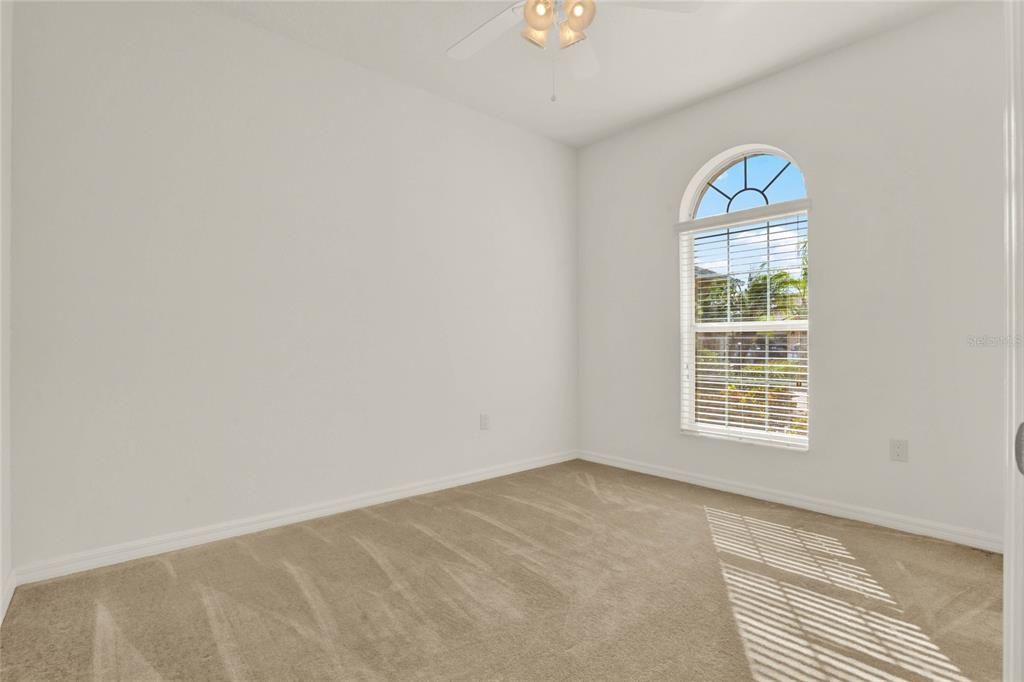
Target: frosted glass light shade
<point x="539" y="14"/>
<point x="568" y="37"/>
<point x="579" y="14"/>
<point x="535" y="36"/>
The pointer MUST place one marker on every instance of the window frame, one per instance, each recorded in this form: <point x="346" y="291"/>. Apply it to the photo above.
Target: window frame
<point x="688" y="326"/>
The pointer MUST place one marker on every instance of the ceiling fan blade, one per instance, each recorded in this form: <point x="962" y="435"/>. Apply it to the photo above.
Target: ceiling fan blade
<point x="583" y="62"/>
<point x="664" y="6"/>
<point x="486" y="33"/>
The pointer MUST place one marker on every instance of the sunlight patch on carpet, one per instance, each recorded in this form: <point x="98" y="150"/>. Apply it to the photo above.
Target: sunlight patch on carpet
<point x="792" y="632"/>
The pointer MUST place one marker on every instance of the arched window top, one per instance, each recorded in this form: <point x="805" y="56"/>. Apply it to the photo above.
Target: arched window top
<point x="750" y="181"/>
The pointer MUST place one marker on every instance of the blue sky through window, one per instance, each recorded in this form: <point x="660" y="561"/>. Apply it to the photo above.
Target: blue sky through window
<point x="750" y="182"/>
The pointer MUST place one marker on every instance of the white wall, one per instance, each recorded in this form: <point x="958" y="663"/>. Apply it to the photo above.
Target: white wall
<point x="249" y="276"/>
<point x="900" y="140"/>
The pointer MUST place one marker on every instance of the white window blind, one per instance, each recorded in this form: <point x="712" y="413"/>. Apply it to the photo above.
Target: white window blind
<point x="744" y="303"/>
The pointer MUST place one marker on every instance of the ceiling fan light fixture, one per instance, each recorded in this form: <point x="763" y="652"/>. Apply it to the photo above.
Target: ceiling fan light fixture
<point x="535" y="36"/>
<point x="539" y="14"/>
<point x="579" y="14"/>
<point x="568" y="37"/>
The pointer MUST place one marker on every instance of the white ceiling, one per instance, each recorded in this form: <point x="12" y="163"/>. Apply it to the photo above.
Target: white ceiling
<point x="635" y="64"/>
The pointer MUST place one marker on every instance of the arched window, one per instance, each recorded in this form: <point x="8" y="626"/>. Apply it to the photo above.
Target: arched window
<point x="744" y="299"/>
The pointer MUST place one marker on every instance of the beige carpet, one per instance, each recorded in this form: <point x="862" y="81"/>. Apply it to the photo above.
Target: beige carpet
<point x="574" y="571"/>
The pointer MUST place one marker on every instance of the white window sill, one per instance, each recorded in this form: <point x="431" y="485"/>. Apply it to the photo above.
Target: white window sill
<point x="798" y="444"/>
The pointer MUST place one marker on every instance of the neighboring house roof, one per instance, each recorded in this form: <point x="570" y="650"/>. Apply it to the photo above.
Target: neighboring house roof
<point x="704" y="273"/>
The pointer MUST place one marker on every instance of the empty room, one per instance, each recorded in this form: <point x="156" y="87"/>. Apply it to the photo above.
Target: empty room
<point x="534" y="340"/>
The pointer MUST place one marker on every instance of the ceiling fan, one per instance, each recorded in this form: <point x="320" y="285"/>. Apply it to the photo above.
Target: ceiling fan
<point x="540" y="20"/>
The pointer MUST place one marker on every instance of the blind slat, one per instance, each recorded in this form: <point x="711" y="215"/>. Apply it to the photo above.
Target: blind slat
<point x="744" y="294"/>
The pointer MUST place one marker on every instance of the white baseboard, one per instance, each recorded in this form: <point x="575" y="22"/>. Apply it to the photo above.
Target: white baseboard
<point x="137" y="549"/>
<point x="6" y="595"/>
<point x="963" y="536"/>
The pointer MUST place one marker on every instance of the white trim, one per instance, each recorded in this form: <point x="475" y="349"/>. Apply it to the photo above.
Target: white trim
<point x="746" y="216"/>
<point x="942" y="531"/>
<point x="137" y="549"/>
<point x="6" y="526"/>
<point x="741" y="435"/>
<point x="115" y="554"/>
<point x="1013" y="559"/>
<point x="773" y="326"/>
<point x="7" y="595"/>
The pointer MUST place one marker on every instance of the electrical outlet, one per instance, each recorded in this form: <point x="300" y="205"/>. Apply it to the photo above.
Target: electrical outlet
<point x="485" y="422"/>
<point x="899" y="450"/>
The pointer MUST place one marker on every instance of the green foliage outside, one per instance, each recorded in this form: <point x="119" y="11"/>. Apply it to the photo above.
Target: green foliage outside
<point x="760" y="375"/>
